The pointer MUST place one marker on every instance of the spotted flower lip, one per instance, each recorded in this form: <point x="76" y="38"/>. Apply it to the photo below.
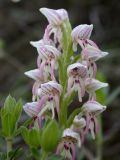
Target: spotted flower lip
<point x="70" y="133"/>
<point x="76" y="73"/>
<point x="68" y="144"/>
<point x="92" y="53"/>
<point x="77" y="69"/>
<point x="93" y="107"/>
<point x="54" y="17"/>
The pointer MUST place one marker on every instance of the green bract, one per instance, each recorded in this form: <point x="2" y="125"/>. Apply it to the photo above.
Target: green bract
<point x="31" y="136"/>
<point x="10" y="115"/>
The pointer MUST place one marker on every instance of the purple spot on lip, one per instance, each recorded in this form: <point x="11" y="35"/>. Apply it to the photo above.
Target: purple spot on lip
<point x="75" y="69"/>
<point x="50" y="99"/>
<point x="66" y="147"/>
<point x="76" y="81"/>
<point x="35" y="117"/>
<point x="46" y="63"/>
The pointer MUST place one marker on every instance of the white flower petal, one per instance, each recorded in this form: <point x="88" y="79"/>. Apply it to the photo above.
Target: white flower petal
<point x="93" y="107"/>
<point x="92" y="85"/>
<point x="34" y="74"/>
<point x="31" y="109"/>
<point x="92" y="53"/>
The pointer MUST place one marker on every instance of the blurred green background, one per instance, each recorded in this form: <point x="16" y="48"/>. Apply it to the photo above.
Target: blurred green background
<point x="21" y="22"/>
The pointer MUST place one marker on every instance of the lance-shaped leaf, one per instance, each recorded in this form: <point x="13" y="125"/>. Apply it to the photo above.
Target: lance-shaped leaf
<point x="50" y="136"/>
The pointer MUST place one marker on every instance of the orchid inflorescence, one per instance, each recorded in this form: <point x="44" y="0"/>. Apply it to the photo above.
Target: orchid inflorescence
<point x="61" y="74"/>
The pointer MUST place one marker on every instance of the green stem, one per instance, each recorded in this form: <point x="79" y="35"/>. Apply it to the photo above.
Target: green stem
<point x="63" y="64"/>
<point x="63" y="116"/>
<point x="35" y="153"/>
<point x="44" y="155"/>
<point x="9" y="146"/>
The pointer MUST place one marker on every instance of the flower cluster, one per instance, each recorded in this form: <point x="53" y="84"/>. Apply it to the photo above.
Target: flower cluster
<point x="58" y="51"/>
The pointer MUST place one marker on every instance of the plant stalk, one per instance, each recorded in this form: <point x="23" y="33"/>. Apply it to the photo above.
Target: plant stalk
<point x="9" y="146"/>
<point x="44" y="155"/>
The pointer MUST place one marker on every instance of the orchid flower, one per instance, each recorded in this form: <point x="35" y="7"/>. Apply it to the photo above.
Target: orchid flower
<point x="50" y="93"/>
<point x="33" y="109"/>
<point x="81" y="35"/>
<point x="49" y="100"/>
<point x="92" y="54"/>
<point x="49" y="63"/>
<point x="47" y="60"/>
<point x="38" y="45"/>
<point x="76" y="73"/>
<point x="92" y="85"/>
<point x="35" y="75"/>
<point x="68" y="142"/>
<point x="54" y="17"/>
<point x="91" y="109"/>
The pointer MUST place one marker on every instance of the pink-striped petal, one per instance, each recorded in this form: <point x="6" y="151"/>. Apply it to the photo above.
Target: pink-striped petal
<point x="93" y="107"/>
<point x="41" y="102"/>
<point x="73" y="151"/>
<point x="52" y="70"/>
<point x="57" y="103"/>
<point x="35" y="88"/>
